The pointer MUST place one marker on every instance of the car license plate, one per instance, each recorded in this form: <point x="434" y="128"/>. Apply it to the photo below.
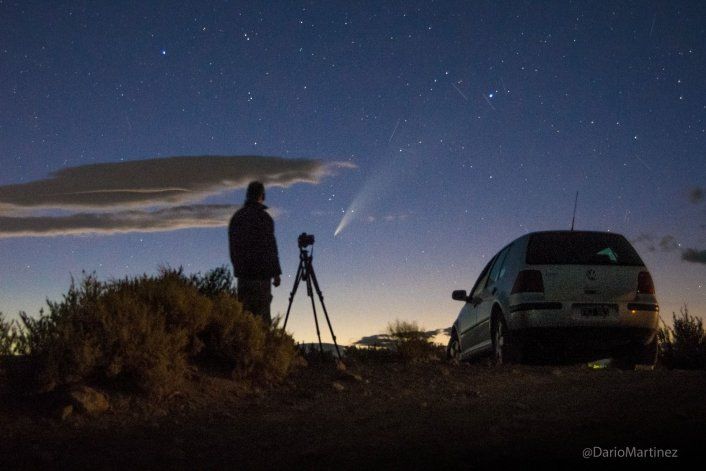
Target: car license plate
<point x="597" y="310"/>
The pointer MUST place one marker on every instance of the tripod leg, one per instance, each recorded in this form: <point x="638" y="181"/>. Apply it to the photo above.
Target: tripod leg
<point x="297" y="279"/>
<point x="312" y="275"/>
<point x="313" y="308"/>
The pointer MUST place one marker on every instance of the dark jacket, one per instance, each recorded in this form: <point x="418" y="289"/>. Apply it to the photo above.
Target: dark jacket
<point x="253" y="248"/>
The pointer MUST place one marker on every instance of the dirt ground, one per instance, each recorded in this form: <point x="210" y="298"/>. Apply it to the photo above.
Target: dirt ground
<point x="379" y="415"/>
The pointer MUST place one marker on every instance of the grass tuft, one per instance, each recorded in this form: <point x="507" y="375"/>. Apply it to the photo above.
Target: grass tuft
<point x="683" y="345"/>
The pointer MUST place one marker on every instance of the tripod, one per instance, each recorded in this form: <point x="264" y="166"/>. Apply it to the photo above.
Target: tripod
<point x="306" y="272"/>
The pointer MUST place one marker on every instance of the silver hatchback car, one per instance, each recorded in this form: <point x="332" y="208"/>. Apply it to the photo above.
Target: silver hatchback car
<point x="559" y="291"/>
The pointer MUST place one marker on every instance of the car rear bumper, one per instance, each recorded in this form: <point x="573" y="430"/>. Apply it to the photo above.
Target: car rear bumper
<point x="623" y="323"/>
<point x="586" y="337"/>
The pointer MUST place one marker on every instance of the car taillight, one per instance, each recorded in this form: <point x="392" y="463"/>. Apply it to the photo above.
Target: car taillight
<point x="528" y="281"/>
<point x="645" y="284"/>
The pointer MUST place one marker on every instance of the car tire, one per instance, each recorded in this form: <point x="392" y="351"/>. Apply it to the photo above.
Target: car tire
<point x="640" y="355"/>
<point x="506" y="349"/>
<point x="453" y="349"/>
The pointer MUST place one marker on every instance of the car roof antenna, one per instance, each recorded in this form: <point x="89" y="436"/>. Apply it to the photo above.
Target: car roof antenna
<point x="573" y="219"/>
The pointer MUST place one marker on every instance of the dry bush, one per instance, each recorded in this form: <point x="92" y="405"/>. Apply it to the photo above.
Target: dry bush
<point x="215" y="282"/>
<point x="7" y="336"/>
<point x="246" y="344"/>
<point x="412" y="343"/>
<point x="684" y="345"/>
<point x="8" y="341"/>
<point x="120" y="331"/>
<point x="369" y="354"/>
<point x="281" y="356"/>
<point x="142" y="332"/>
<point x="184" y="309"/>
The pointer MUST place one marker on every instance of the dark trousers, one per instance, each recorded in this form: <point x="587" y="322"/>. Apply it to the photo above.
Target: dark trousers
<point x="256" y="296"/>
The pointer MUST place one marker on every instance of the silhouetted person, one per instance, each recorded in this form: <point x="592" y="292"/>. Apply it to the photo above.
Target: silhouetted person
<point x="253" y="252"/>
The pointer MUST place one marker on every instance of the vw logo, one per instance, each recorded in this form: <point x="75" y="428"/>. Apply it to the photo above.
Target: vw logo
<point x="591" y="274"/>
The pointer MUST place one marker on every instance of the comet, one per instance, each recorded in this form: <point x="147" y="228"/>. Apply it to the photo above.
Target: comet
<point x="391" y="174"/>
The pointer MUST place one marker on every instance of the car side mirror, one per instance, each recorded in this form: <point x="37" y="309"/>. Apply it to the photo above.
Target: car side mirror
<point x="459" y="295"/>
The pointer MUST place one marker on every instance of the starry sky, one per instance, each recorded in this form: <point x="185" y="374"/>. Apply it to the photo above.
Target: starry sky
<point x="443" y="129"/>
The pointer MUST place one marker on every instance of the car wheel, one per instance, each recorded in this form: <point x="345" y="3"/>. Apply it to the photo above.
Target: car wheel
<point x="648" y="353"/>
<point x="505" y="349"/>
<point x="498" y="342"/>
<point x="642" y="355"/>
<point x="453" y="350"/>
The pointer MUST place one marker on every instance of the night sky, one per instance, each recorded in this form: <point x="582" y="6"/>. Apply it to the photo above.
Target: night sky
<point x="444" y="129"/>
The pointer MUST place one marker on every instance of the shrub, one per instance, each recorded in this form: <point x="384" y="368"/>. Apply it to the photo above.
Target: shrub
<point x="246" y="344"/>
<point x="142" y="332"/>
<point x="413" y="343"/>
<point x="121" y="331"/>
<point x="215" y="282"/>
<point x="369" y="354"/>
<point x="684" y="344"/>
<point x="7" y="337"/>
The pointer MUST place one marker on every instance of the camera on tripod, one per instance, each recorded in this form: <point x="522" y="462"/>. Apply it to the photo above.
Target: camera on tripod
<point x="305" y="240"/>
<point x="305" y="273"/>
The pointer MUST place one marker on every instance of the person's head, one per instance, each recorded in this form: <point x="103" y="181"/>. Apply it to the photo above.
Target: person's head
<point x="255" y="192"/>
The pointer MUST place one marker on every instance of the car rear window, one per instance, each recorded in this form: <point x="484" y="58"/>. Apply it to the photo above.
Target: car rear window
<point x="581" y="248"/>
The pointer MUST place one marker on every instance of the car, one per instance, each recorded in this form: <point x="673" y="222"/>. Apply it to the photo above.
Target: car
<point x="554" y="292"/>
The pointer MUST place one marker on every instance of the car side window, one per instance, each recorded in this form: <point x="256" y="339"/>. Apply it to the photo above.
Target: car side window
<point x="497" y="271"/>
<point x="480" y="283"/>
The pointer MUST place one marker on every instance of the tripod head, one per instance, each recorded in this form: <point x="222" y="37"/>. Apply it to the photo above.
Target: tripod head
<point x="304" y="240"/>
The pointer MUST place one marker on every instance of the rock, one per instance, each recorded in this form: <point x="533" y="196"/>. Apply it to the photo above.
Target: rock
<point x="349" y="376"/>
<point x="64" y="412"/>
<point x="46" y="387"/>
<point x="87" y="400"/>
<point x="338" y="386"/>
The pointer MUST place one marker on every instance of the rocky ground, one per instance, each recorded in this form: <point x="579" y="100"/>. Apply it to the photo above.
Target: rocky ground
<point x="375" y="414"/>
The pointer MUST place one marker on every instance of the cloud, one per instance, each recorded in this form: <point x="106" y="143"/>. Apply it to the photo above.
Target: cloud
<point x="694" y="255"/>
<point x="696" y="195"/>
<point x="153" y="182"/>
<point x="395" y="217"/>
<point x="165" y="219"/>
<point x="647" y="240"/>
<point x="387" y="218"/>
<point x="144" y="195"/>
<point x="668" y="243"/>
